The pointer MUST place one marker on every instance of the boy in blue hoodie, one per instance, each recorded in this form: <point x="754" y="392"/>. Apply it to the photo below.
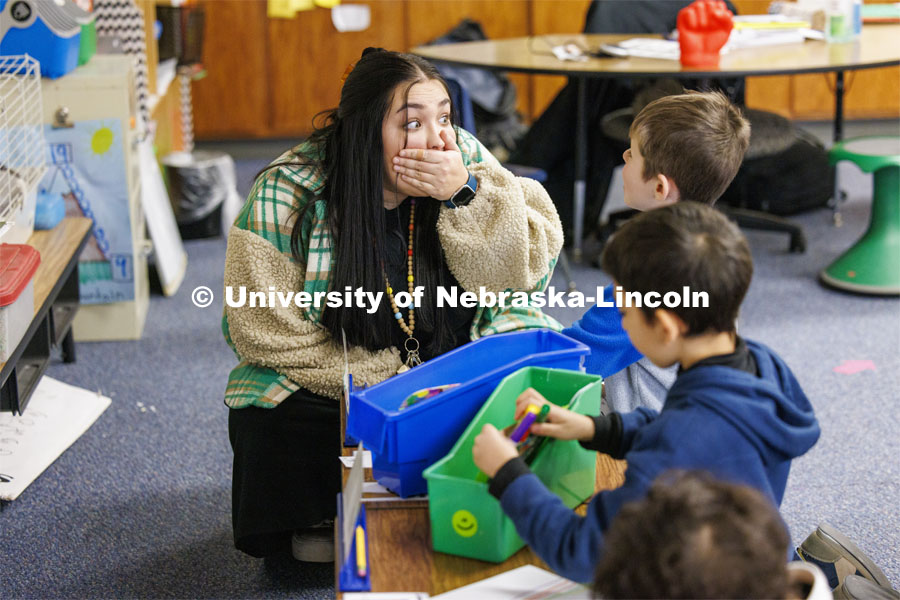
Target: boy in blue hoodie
<point x="683" y="147"/>
<point x="735" y="409"/>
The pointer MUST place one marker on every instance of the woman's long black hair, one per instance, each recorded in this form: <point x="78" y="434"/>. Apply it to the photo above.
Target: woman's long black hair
<point x="349" y="142"/>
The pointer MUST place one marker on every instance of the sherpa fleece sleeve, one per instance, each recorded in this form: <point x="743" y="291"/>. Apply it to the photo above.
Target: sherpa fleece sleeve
<point x="284" y="338"/>
<point x="508" y="237"/>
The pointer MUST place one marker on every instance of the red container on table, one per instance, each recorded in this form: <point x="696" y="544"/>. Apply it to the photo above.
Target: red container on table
<point x="18" y="263"/>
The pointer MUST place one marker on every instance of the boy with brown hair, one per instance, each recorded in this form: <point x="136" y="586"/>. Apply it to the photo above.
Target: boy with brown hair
<point x="683" y="147"/>
<point x="702" y="538"/>
<point x="735" y="409"/>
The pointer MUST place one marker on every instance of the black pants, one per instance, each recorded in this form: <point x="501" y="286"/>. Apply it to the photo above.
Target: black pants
<point x="286" y="470"/>
<point x="549" y="145"/>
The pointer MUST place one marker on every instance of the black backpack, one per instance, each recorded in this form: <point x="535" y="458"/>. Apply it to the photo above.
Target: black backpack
<point x="785" y="170"/>
<point x="497" y="124"/>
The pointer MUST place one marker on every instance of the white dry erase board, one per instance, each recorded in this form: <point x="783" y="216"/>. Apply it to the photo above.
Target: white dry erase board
<point x="171" y="259"/>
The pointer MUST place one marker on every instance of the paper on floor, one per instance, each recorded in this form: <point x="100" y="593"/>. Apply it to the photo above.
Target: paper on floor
<point x="528" y="582"/>
<point x="385" y="596"/>
<point x="56" y="416"/>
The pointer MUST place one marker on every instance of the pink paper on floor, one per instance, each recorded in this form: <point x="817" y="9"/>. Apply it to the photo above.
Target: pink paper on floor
<point x="851" y="367"/>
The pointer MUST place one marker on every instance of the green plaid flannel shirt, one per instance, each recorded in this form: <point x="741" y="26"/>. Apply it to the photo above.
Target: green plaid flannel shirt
<point x="269" y="211"/>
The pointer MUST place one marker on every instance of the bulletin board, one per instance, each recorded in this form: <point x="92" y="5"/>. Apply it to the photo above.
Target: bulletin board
<point x="86" y="164"/>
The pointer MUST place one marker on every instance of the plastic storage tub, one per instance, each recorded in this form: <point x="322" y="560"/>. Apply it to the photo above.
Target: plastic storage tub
<point x="43" y="30"/>
<point x="465" y="519"/>
<point x="87" y="46"/>
<point x="405" y="442"/>
<point x="18" y="264"/>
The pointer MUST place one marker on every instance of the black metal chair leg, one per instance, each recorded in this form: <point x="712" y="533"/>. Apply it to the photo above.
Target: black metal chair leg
<point x="752" y="219"/>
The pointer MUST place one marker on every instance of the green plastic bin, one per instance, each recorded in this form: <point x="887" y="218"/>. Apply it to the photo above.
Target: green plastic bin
<point x="86" y="21"/>
<point x="465" y="519"/>
<point x="87" y="47"/>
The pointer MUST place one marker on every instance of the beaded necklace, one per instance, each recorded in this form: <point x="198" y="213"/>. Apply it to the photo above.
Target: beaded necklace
<point x="412" y="344"/>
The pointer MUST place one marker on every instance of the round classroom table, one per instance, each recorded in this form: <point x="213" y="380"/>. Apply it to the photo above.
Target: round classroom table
<point x="876" y="47"/>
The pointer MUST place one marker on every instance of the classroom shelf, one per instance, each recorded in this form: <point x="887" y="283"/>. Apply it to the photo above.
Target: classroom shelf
<point x="56" y="302"/>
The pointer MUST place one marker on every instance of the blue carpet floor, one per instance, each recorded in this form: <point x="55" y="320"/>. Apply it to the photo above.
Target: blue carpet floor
<point x="140" y="505"/>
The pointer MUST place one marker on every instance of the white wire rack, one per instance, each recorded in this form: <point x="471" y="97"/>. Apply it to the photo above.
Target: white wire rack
<point x="23" y="152"/>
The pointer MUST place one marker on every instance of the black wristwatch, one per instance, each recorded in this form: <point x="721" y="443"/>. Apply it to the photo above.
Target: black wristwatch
<point x="463" y="195"/>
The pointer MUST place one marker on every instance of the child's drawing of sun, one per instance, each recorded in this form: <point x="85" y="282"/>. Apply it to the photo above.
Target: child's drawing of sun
<point x="102" y="140"/>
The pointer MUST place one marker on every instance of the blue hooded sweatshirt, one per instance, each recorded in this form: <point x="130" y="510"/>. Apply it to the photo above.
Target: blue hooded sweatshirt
<point x="601" y="329"/>
<point x="740" y="427"/>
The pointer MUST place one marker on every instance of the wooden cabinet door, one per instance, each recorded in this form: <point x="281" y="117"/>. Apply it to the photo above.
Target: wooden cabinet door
<point x="231" y="100"/>
<point x="307" y="57"/>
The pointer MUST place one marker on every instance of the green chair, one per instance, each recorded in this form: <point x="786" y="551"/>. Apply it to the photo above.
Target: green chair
<point x="872" y="265"/>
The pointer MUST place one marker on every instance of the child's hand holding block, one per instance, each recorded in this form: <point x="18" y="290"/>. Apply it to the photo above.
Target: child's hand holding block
<point x="521" y="430"/>
<point x="526" y="399"/>
<point x="518" y="433"/>
<point x="557" y="422"/>
<point x="491" y="450"/>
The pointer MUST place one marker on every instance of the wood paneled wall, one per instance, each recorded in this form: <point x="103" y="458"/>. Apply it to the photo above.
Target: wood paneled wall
<point x="429" y="19"/>
<point x="868" y="94"/>
<point x="307" y="59"/>
<point x="269" y="77"/>
<point x="232" y="101"/>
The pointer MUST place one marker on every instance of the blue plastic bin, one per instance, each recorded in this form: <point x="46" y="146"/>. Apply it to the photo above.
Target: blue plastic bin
<point x="42" y="30"/>
<point x="405" y="443"/>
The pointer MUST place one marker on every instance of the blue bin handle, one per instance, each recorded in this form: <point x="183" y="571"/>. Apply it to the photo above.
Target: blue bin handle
<point x="362" y="412"/>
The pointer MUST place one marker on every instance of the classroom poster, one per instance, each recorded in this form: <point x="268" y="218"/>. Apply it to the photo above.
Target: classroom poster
<point x="86" y="164"/>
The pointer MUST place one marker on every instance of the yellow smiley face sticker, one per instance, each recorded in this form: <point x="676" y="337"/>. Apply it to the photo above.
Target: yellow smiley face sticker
<point x="464" y="523"/>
